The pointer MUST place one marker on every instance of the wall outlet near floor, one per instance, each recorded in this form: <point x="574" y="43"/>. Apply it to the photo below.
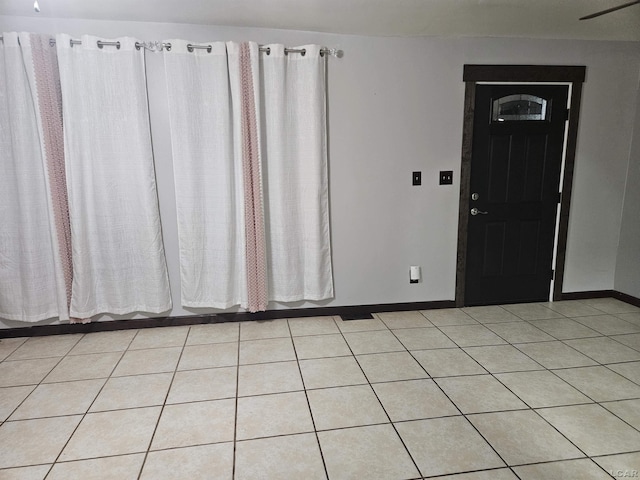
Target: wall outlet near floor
<point x="414" y="274"/>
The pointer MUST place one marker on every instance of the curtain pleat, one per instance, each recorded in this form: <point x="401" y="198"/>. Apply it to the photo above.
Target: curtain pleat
<point x="296" y="191"/>
<point x="118" y="253"/>
<point x="32" y="282"/>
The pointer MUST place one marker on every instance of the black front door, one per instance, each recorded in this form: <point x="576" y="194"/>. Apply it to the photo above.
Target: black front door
<point x="518" y="137"/>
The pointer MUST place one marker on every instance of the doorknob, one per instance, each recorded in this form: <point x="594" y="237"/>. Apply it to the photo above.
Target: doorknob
<point x="475" y="211"/>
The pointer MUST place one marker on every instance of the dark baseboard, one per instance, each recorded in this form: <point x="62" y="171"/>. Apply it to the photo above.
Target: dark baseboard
<point x="107" y="326"/>
<point x="347" y="312"/>
<point x="635" y="301"/>
<point x="588" y="294"/>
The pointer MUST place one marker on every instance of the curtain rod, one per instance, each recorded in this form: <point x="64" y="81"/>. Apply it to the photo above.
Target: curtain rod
<point x="157" y="46"/>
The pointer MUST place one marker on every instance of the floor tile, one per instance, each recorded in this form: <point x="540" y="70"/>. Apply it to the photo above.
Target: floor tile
<point x="109" y="468"/>
<point x="519" y="332"/>
<point x="159" y="338"/>
<point x="273" y="415"/>
<point x="572" y="308"/>
<point x="532" y="311"/>
<point x="593" y="429"/>
<point x="600" y="383"/>
<point x="395" y="320"/>
<point x="104" y="342"/>
<point x="197" y="423"/>
<point x="447" y="445"/>
<point x="522" y="437"/>
<point x="365" y="325"/>
<point x="331" y="372"/>
<point x="472" y="335"/>
<point x="295" y="457"/>
<point x="447" y="362"/>
<point x="31" y="442"/>
<point x="208" y="384"/>
<point x="112" y="433"/>
<point x="387" y="367"/>
<point x="261" y="329"/>
<point x="502" y="358"/>
<point x="423" y="338"/>
<point x="632" y="340"/>
<point x="43" y="347"/>
<point x="319" y="346"/>
<point x="555" y="355"/>
<point x="608" y="325"/>
<point x="133" y="392"/>
<point x="267" y="350"/>
<point x="84" y="367"/>
<point x="11" y="398"/>
<point x="345" y="407"/>
<point x="268" y="378"/>
<point x="565" y="328"/>
<point x="627" y="410"/>
<point x="542" y="389"/>
<point x="202" y="462"/>
<point x="366" y="452"/>
<point x="620" y="466"/>
<point x="373" y="342"/>
<point x="59" y="399"/>
<point x="312" y="326"/>
<point x="209" y="356"/>
<point x="155" y="360"/>
<point x="584" y="469"/>
<point x="414" y="400"/>
<point x="497" y="474"/>
<point x="25" y="372"/>
<point x="611" y="305"/>
<point x="38" y="472"/>
<point x="604" y="350"/>
<point x="630" y="317"/>
<point x="490" y="314"/>
<point x="214" y="333"/>
<point x="479" y="393"/>
<point x="448" y="316"/>
<point x="9" y="345"/>
<point x="630" y="370"/>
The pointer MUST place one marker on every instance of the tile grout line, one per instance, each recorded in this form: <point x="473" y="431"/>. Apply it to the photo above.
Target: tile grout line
<point x="235" y="414"/>
<point x="306" y="396"/>
<point x="415" y="464"/>
<point x="84" y="415"/>
<point x="164" y="404"/>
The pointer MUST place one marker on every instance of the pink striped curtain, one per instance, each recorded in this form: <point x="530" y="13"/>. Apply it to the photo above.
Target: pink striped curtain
<point x="36" y="275"/>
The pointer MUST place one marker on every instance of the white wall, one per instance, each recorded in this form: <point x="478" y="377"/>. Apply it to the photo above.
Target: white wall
<point x="395" y="106"/>
<point x="628" y="265"/>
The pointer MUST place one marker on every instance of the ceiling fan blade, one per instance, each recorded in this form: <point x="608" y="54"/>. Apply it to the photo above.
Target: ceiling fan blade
<point x="609" y="10"/>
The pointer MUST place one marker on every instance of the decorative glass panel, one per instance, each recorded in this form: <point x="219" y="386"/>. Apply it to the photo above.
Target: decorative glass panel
<point x="518" y="108"/>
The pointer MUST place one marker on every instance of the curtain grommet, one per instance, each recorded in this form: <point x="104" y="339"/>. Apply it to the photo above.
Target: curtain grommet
<point x="303" y="52"/>
<point x="190" y="48"/>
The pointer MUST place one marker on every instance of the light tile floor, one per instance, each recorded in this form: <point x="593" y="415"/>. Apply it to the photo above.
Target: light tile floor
<point x="530" y="391"/>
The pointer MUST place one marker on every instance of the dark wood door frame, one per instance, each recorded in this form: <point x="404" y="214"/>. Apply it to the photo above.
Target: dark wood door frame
<point x="573" y="75"/>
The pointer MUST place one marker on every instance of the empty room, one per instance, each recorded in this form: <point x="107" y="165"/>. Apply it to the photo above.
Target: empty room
<point x="319" y="239"/>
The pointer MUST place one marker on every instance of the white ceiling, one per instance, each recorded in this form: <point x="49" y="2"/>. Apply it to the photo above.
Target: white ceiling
<point x="521" y="18"/>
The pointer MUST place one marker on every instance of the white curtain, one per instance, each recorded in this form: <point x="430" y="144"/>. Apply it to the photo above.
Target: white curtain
<point x="207" y="164"/>
<point x="32" y="284"/>
<point x="295" y="174"/>
<point x="241" y="122"/>
<point x="118" y="254"/>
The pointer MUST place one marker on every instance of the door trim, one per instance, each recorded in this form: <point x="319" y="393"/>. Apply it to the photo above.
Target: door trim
<point x="472" y="74"/>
